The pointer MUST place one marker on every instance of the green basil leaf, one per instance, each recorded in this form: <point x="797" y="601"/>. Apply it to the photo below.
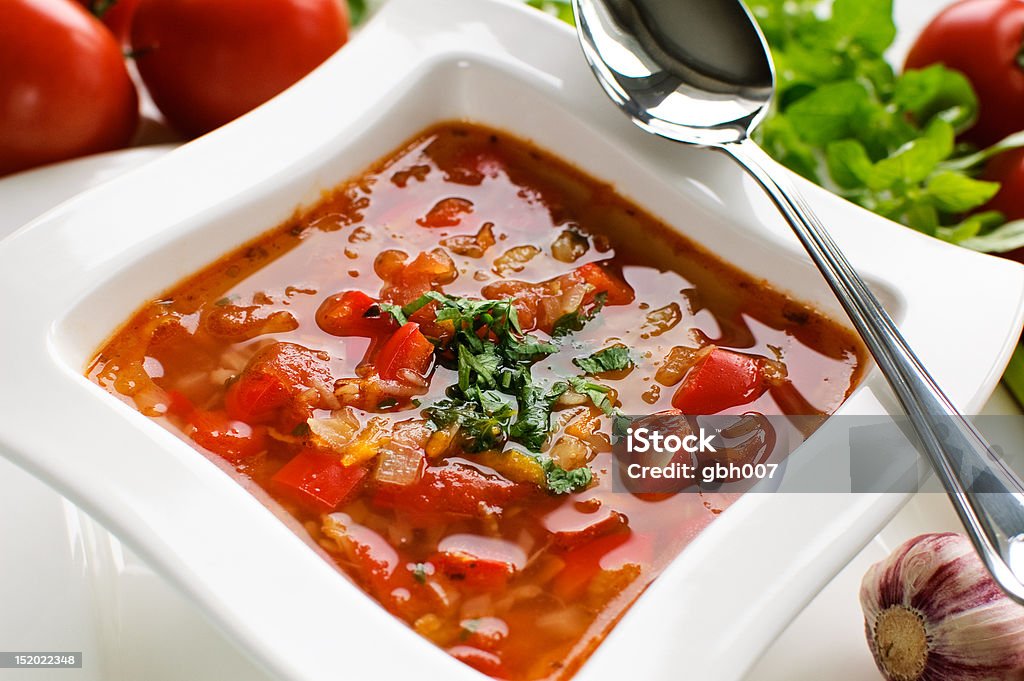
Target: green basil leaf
<point x="957" y="193"/>
<point x="848" y="163"/>
<point x="1014" y="141"/>
<point x="869" y="22"/>
<point x="829" y="113"/>
<point x="916" y="160"/>
<point x="937" y="91"/>
<point x="971" y="226"/>
<point x="778" y="138"/>
<point x="922" y="216"/>
<point x="1005" y="238"/>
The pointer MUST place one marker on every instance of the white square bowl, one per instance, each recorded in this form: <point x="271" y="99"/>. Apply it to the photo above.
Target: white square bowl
<point x="73" y="276"/>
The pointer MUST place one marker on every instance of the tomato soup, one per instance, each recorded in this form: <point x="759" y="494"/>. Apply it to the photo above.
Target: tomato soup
<point x="423" y="370"/>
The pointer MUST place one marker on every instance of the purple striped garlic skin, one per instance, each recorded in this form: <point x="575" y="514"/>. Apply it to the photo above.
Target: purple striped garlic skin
<point x="933" y="613"/>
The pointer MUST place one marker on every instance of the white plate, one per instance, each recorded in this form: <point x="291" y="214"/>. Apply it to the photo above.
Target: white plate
<point x="77" y="588"/>
<point x="28" y="195"/>
<point x="88" y="264"/>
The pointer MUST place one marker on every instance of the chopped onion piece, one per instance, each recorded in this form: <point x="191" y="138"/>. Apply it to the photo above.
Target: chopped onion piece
<point x="515" y="259"/>
<point x="661" y="320"/>
<point x="570" y="246"/>
<point x="335" y="432"/>
<point x="679" y="361"/>
<point x="571" y="398"/>
<point x="399" y="466"/>
<point x="571" y="452"/>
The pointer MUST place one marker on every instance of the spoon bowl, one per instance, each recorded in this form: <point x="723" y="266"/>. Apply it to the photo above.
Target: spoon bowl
<point x="677" y="73"/>
<point x="699" y="72"/>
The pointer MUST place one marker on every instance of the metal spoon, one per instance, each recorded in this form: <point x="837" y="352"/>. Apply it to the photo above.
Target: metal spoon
<point x="699" y="72"/>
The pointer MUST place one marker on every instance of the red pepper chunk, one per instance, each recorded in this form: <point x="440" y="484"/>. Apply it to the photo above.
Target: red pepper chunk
<point x="318" y="482"/>
<point x="408" y="349"/>
<point x="446" y="213"/>
<point x="618" y="292"/>
<point x="478" y="562"/>
<point x="345" y="314"/>
<point x="405" y="282"/>
<point x="569" y="528"/>
<point x="457" y="488"/>
<point x="231" y="439"/>
<point x="216" y="432"/>
<point x="268" y="387"/>
<point x="474" y="572"/>
<point x="721" y="380"/>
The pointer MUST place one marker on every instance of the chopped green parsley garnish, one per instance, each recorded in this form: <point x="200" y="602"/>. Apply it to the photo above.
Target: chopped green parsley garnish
<point x="615" y="358"/>
<point x="495" y="400"/>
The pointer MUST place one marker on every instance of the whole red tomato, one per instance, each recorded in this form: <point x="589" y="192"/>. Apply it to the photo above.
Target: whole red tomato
<point x="1008" y="169"/>
<point x="64" y="89"/>
<point x="982" y="39"/>
<point x="115" y="14"/>
<point x="206" y="62"/>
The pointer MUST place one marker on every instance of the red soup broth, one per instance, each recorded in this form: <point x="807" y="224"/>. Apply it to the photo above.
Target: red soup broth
<point x="505" y="546"/>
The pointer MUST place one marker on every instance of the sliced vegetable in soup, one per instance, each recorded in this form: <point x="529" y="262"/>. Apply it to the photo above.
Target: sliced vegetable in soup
<point x="423" y="370"/>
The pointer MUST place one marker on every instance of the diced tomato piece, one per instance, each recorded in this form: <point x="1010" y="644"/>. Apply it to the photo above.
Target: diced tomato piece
<point x="352" y="314"/>
<point x="407" y="348"/>
<point x="474" y="572"/>
<point x="216" y="432"/>
<point x="456" y="488"/>
<point x="541" y="305"/>
<point x="571" y="528"/>
<point x="483" y="661"/>
<point x="267" y="388"/>
<point x="239" y="323"/>
<point x="478" y="562"/>
<point x="446" y="213"/>
<point x="427" y="271"/>
<point x="603" y="281"/>
<point x="318" y="482"/>
<point x="722" y="380"/>
<point x="232" y="439"/>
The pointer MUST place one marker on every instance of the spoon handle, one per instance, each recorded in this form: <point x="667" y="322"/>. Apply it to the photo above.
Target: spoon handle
<point x="987" y="495"/>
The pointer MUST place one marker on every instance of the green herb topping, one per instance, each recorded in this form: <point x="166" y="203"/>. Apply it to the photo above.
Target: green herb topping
<point x="496" y="399"/>
<point x="615" y="358"/>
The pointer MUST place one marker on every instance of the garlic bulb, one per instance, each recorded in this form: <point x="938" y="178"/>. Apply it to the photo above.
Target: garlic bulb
<point x="933" y="613"/>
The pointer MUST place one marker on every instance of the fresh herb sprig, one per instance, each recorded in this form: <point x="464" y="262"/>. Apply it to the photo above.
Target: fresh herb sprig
<point x="845" y="120"/>
<point x="495" y="399"/>
<point x="561" y="481"/>
<point x="614" y="358"/>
